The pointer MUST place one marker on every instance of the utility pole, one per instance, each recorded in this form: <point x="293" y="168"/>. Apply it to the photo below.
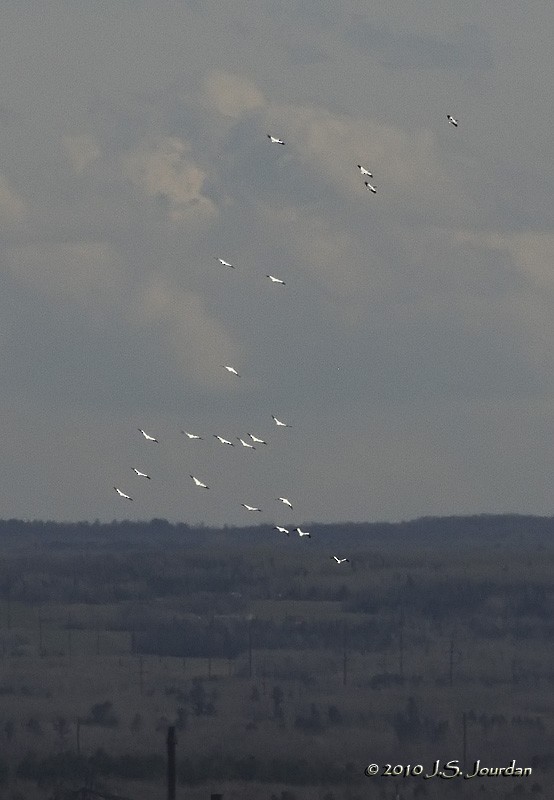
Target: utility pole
<point x="250" y="647"/>
<point x="171" y="762"/>
<point x="401" y="643"/>
<point x="464" y="740"/>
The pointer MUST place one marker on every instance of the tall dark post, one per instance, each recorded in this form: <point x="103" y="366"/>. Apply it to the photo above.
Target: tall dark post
<point x="171" y="762"/>
<point x="249" y="648"/>
<point x="401" y="643"/>
<point x="464" y="743"/>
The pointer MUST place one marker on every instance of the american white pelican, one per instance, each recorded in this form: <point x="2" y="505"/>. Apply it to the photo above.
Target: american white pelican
<point x="222" y="261"/>
<point x="300" y="532"/>
<point x="281" y="529"/>
<point x="245" y="444"/>
<point x="199" y="483"/>
<point x="147" y="437"/>
<point x="273" y="279"/>
<point x="256" y="439"/>
<point x="250" y="508"/>
<point x="279" y="423"/>
<point x="285" y="501"/>
<point x="452" y="121"/>
<point x="365" y="171"/>
<point x="232" y="370"/>
<point x="141" y="474"/>
<point x="191" y="435"/>
<point x="222" y="440"/>
<point x="122" y="494"/>
<point x="370" y="188"/>
<point x="341" y="560"/>
<point x="274" y="139"/>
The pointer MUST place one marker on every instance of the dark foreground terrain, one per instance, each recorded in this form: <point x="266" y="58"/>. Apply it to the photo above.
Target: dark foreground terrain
<point x="285" y="673"/>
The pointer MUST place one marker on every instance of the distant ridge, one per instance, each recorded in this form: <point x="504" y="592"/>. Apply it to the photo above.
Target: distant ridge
<point x="486" y="530"/>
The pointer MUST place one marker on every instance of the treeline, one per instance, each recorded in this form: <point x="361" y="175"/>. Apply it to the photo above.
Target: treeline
<point x="526" y="530"/>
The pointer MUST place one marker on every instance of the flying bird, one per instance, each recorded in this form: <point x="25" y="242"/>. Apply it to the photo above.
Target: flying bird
<point x="222" y="440"/>
<point x="279" y="423"/>
<point x="250" y="508"/>
<point x="199" y="483"/>
<point x="281" y="529"/>
<point x="369" y="187"/>
<point x="232" y="370"/>
<point x="225" y="263"/>
<point x="273" y="279"/>
<point x="122" y="494"/>
<point x="141" y="474"/>
<point x="147" y="437"/>
<point x="274" y="139"/>
<point x="285" y="501"/>
<point x="191" y="435"/>
<point x="341" y="560"/>
<point x="452" y="121"/>
<point x="245" y="444"/>
<point x="301" y="533"/>
<point x="256" y="440"/>
<point x="365" y="171"/>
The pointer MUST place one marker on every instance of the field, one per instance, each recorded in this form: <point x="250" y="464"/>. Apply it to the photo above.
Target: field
<point x="284" y="673"/>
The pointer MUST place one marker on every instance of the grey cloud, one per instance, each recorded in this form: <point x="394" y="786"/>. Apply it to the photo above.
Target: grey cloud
<point x="467" y="47"/>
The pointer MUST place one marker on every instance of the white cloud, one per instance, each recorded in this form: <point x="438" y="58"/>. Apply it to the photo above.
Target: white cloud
<point x="198" y="343"/>
<point x="162" y="168"/>
<point x="231" y="95"/>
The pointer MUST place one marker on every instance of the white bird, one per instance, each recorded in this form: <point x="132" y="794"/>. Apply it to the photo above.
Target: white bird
<point x="232" y="370"/>
<point x="281" y="529"/>
<point x="122" y="494"/>
<point x="274" y="139"/>
<point x="245" y="444"/>
<point x="199" y="483"/>
<point x="300" y="532"/>
<point x="365" y="171"/>
<point x="285" y="501"/>
<point x="222" y="440"/>
<point x="141" y="474"/>
<point x="370" y="188"/>
<point x="273" y="279"/>
<point x="279" y="423"/>
<point x="222" y="261"/>
<point x="255" y="439"/>
<point x="250" y="508"/>
<point x="191" y="435"/>
<point x="340" y="560"/>
<point x="147" y="437"/>
<point x="452" y="121"/>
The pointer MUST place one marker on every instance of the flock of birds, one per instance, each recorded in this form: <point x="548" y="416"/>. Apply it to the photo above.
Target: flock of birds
<point x="256" y="440"/>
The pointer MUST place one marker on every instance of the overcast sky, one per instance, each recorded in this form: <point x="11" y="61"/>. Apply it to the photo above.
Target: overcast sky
<point x="412" y="347"/>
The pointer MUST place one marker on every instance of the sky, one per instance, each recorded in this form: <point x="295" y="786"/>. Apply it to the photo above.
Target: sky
<point x="411" y="347"/>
